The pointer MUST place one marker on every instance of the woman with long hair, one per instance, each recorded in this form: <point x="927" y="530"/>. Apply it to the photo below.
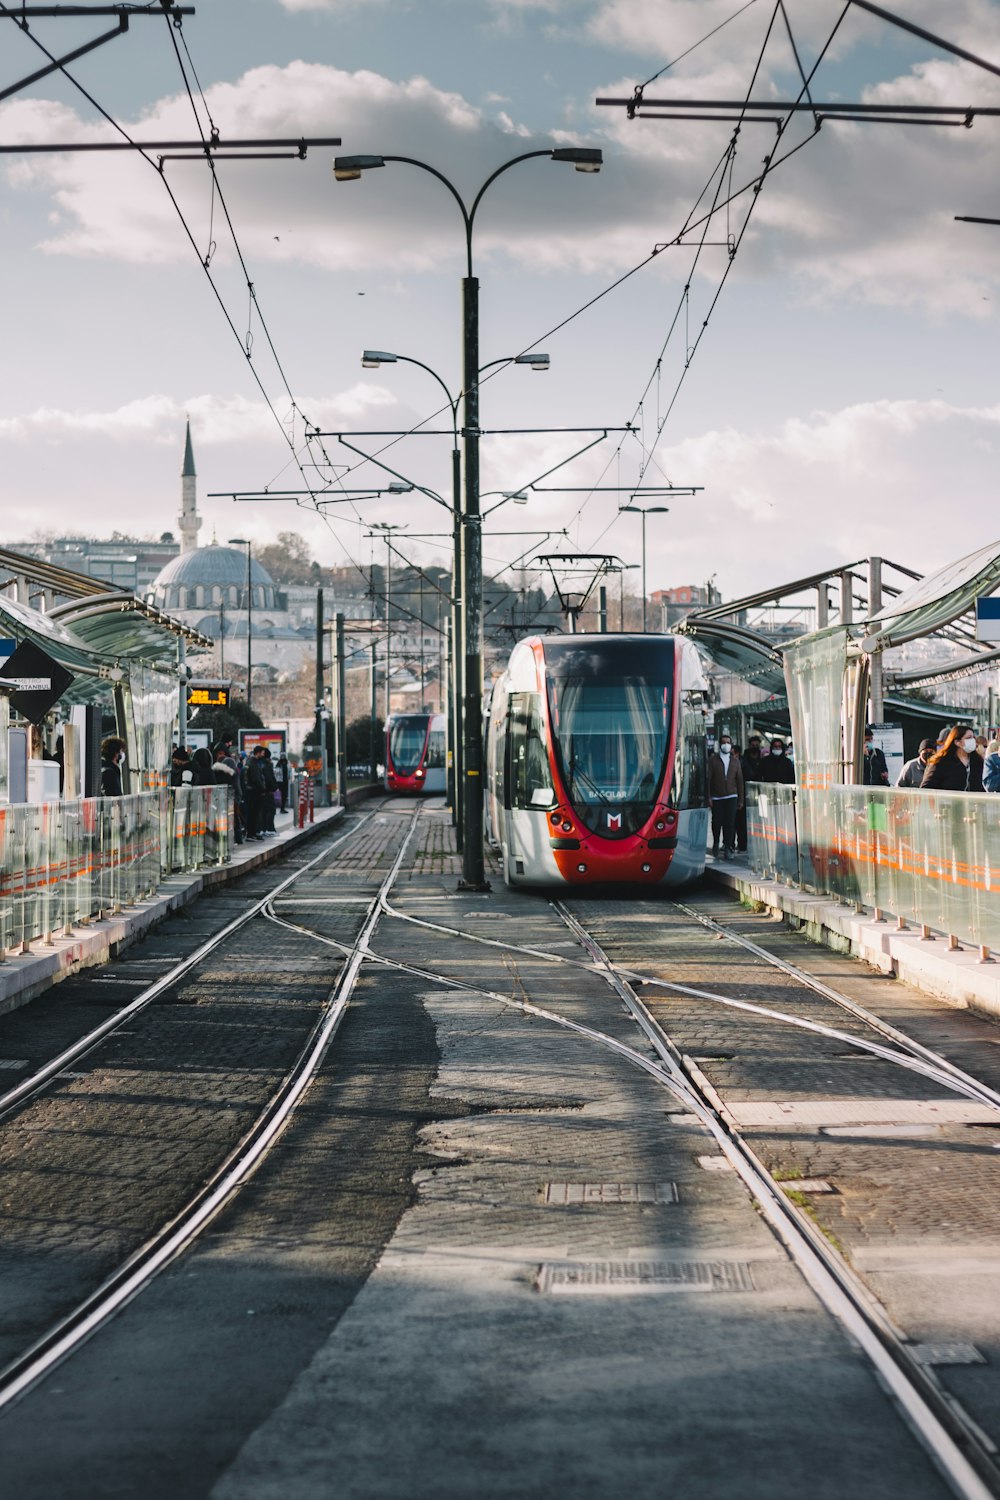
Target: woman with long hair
<point x="957" y="766"/>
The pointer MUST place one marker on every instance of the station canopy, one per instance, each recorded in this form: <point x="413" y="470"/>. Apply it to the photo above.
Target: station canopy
<point x="937" y="600"/>
<point x="99" y="638"/>
<point x="734" y="648"/>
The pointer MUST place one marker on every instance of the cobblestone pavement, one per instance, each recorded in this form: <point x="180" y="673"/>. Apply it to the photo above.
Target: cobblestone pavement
<point x="116" y="1146"/>
<point x="489" y="1257"/>
<point x="914" y="1207"/>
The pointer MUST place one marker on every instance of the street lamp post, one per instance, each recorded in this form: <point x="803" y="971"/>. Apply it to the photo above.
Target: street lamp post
<point x="239" y="541"/>
<point x="349" y="168"/>
<point x="373" y="359"/>
<point x="644" y="511"/>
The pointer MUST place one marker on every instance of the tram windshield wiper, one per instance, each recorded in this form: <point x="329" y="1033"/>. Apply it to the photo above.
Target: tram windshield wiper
<point x="586" y="782"/>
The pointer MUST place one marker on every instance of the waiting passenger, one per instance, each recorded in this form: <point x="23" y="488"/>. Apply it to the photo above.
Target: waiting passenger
<point x="112" y="756"/>
<point x="874" y="771"/>
<point x="775" y="768"/>
<point x="181" y="773"/>
<point x="912" y="773"/>
<point x="201" y="768"/>
<point x="991" y="767"/>
<point x="956" y="766"/>
<point x="753" y="761"/>
<point x="725" y="790"/>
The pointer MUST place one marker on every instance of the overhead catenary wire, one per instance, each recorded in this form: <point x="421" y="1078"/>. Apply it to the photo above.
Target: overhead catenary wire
<point x="204" y="260"/>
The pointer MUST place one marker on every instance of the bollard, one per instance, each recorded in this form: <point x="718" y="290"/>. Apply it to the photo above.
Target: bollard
<point x="953" y="944"/>
<point x="984" y="955"/>
<point x="901" y="924"/>
<point x="926" y="936"/>
<point x="877" y="915"/>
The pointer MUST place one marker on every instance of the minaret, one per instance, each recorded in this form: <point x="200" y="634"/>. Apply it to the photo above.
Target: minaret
<point x="187" y="522"/>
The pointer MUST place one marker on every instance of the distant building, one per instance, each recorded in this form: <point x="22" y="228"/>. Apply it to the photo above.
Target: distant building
<point x="677" y="602"/>
<point x="124" y="563"/>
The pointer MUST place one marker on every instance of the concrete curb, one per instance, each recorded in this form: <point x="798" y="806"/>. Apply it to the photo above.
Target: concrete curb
<point x="24" y="977"/>
<point x="955" y="976"/>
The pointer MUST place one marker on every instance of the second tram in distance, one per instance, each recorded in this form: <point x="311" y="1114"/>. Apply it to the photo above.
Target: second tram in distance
<point x="415" y="753"/>
<point x="596" y="761"/>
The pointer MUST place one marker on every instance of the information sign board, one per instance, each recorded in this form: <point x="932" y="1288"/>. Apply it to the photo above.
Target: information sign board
<point x="273" y="739"/>
<point x="208" y="697"/>
<point x="889" y="739"/>
<point x="42" y="681"/>
<point x="988" y="620"/>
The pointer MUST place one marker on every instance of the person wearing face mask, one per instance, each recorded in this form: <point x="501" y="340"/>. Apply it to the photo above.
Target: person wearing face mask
<point x="725" y="790"/>
<point x="957" y="766"/>
<point x="776" y="767"/>
<point x="912" y="773"/>
<point x="874" y="771"/>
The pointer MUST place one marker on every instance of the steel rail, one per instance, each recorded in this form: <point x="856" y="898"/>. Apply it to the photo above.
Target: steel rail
<point x="917" y="1059"/>
<point x="28" y="1088"/>
<point x="956" y="1448"/>
<point x="65" y="1337"/>
<point x="884" y="1028"/>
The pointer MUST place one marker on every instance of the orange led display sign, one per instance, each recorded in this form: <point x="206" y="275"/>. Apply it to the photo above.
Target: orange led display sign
<point x="208" y="697"/>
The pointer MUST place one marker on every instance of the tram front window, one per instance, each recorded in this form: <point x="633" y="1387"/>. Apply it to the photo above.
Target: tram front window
<point x="407" y="739"/>
<point x="612" y="739"/>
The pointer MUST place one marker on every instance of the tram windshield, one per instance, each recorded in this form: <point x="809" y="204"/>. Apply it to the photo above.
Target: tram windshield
<point x="612" y="732"/>
<point x="407" y="738"/>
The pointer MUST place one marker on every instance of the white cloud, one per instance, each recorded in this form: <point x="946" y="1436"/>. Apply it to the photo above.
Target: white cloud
<point x="878" y="477"/>
<point x="862" y="212"/>
<point x="215" y="420"/>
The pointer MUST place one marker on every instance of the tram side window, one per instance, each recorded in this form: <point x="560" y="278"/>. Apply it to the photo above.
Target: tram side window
<point x="690" y="787"/>
<point x="435" y="750"/>
<point x="530" y="780"/>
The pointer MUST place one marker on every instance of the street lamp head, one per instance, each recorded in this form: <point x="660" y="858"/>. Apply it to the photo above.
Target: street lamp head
<point x="238" y="541"/>
<point x="533" y="361"/>
<point x="372" y="358"/>
<point x="584" y="158"/>
<point x="350" y="168"/>
<point x="399" y="487"/>
<point x="518" y="497"/>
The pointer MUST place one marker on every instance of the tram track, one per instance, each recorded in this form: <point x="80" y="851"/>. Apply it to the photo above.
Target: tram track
<point x="30" y="1087"/>
<point x="159" y="1249"/>
<point x="957" y="1445"/>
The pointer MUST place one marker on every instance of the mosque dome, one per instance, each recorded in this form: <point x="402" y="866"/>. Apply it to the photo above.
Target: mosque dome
<point x="210" y="576"/>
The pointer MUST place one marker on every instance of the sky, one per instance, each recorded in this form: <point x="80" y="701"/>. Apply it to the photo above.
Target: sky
<point x="830" y="390"/>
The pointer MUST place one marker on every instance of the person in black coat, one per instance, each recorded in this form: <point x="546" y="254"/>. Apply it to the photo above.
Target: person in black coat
<point x="776" y="767"/>
<point x="112" y="755"/>
<point x="255" y="790"/>
<point x="874" y="771"/>
<point x="201" y="767"/>
<point x="957" y="766"/>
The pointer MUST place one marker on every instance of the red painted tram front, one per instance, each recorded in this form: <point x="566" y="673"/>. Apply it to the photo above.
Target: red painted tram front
<point x="596" y="756"/>
<point x="415" y="753"/>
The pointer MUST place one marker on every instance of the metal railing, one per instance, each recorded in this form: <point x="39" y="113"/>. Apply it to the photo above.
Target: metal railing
<point x="929" y="859"/>
<point x="63" y="864"/>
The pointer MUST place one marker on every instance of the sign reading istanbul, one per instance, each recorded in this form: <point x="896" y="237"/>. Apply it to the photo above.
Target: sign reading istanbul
<point x="41" y="681"/>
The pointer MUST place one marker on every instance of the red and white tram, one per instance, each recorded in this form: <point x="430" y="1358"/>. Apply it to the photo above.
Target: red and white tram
<point x="596" y="761"/>
<point x="415" y="753"/>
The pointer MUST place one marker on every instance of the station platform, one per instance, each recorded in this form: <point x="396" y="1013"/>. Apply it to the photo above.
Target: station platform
<point x="24" y="976"/>
<point x="959" y="975"/>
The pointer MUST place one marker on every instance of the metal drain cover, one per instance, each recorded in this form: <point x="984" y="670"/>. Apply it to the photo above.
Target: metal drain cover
<point x="562" y="1193"/>
<point x="628" y="1277"/>
<point x="947" y="1354"/>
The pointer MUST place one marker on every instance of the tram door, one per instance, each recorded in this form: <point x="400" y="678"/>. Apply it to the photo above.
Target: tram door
<point x="528" y="792"/>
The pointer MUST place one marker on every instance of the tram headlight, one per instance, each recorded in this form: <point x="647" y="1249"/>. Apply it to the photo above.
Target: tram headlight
<point x="660" y="826"/>
<point x="581" y="869"/>
<point x="567" y="826"/>
<point x="646" y="869"/>
<point x="554" y="819"/>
